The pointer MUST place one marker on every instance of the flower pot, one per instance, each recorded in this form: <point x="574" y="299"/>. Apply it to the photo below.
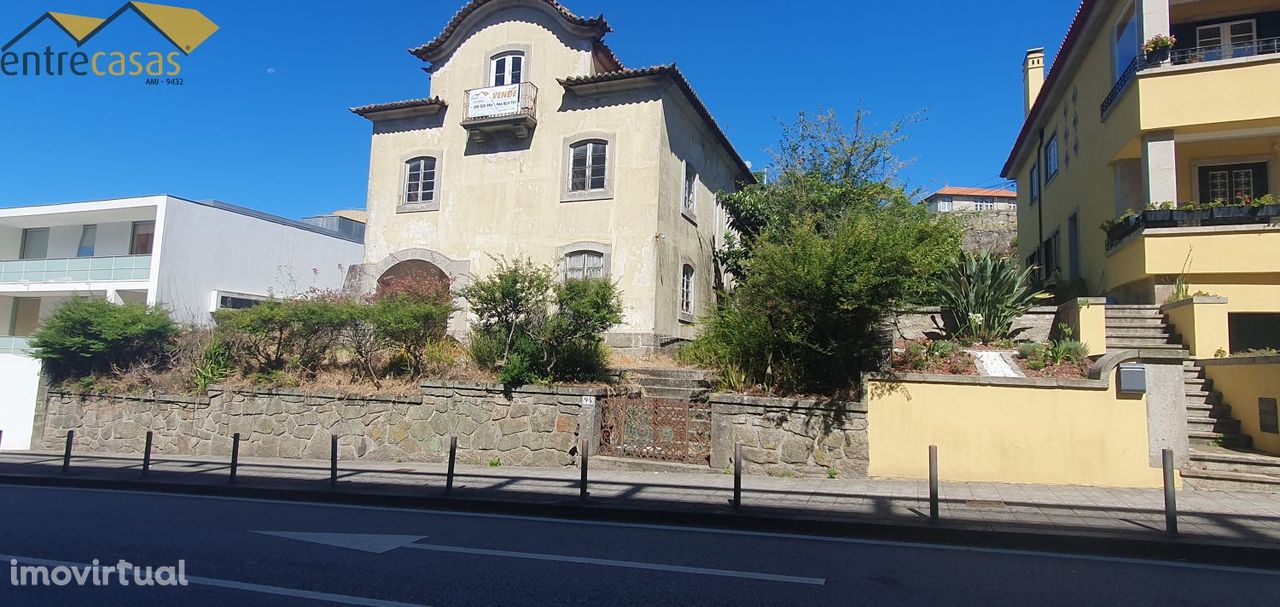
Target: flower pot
<point x="1226" y="215"/>
<point x="1269" y="210"/>
<point x="1158" y="56"/>
<point x="1159" y="218"/>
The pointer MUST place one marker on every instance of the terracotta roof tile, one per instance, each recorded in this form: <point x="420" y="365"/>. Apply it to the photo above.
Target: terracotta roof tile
<point x="672" y="72"/>
<point x="425" y="50"/>
<point x="950" y="191"/>
<point x="408" y="104"/>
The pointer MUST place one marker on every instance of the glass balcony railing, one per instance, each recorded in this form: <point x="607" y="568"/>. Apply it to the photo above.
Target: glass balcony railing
<point x="15" y="345"/>
<point x="79" y="269"/>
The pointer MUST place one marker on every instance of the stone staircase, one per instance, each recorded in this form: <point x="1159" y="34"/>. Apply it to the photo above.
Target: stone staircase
<point x="1139" y="327"/>
<point x="1219" y="453"/>
<point x="674" y="383"/>
<point x="1220" y="457"/>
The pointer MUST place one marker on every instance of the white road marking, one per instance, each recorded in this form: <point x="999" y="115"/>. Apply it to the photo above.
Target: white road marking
<point x="379" y="544"/>
<point x="234" y="585"/>
<point x="707" y="530"/>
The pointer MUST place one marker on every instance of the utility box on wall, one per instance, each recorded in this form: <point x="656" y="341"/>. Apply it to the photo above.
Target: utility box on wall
<point x="1132" y="379"/>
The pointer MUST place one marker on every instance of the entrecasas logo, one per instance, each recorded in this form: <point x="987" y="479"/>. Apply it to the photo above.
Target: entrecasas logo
<point x="186" y="28"/>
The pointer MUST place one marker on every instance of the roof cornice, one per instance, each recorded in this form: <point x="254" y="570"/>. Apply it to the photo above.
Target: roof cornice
<point x="447" y="41"/>
<point x="401" y="109"/>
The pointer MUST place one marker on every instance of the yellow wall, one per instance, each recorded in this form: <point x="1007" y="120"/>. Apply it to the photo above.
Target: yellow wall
<point x="1202" y="323"/>
<point x="1217" y="258"/>
<point x="1191" y="155"/>
<point x="1010" y="434"/>
<point x="1241" y="384"/>
<point x="1209" y="93"/>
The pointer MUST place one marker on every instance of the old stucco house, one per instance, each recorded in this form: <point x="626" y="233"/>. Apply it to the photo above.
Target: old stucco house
<point x="535" y="141"/>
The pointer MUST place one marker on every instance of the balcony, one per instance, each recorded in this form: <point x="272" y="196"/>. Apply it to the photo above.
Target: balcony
<point x="502" y="109"/>
<point x="1120" y="230"/>
<point x="79" y="269"/>
<point x="15" y="345"/>
<point x="1219" y="52"/>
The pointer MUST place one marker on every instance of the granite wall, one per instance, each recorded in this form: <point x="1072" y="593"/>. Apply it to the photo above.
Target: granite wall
<point x="790" y="437"/>
<point x="528" y="426"/>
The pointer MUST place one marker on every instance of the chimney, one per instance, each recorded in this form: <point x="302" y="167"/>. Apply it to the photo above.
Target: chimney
<point x="1032" y="76"/>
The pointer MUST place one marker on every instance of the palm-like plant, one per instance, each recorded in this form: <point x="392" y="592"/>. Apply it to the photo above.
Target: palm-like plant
<point x="986" y="293"/>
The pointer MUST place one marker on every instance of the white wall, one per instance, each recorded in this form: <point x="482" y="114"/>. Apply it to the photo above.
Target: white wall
<point x="10" y="242"/>
<point x="204" y="249"/>
<point x="20" y="377"/>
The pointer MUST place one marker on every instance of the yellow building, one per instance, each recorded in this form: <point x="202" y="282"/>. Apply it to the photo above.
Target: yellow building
<point x="1123" y="151"/>
<point x="535" y="141"/>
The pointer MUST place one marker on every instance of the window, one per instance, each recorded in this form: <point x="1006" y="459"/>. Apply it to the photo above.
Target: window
<point x="25" y="317"/>
<point x="88" y="237"/>
<point x="587" y="166"/>
<point x="1127" y="42"/>
<point x="507" y="68"/>
<point x="420" y="180"/>
<point x="584" y="264"/>
<point x="689" y="200"/>
<point x="1035" y="183"/>
<point x="986" y="203"/>
<point x="944" y="204"/>
<point x="232" y="302"/>
<point x="1233" y="182"/>
<point x="1051" y="264"/>
<point x="143" y="237"/>
<point x="35" y="243"/>
<point x="1051" y="159"/>
<point x="686" y="290"/>
<point x="1225" y="40"/>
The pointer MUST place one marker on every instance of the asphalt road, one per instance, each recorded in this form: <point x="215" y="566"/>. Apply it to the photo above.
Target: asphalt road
<point x="251" y="552"/>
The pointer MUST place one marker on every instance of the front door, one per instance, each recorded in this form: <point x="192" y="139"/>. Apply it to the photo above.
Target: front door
<point x="1228" y="183"/>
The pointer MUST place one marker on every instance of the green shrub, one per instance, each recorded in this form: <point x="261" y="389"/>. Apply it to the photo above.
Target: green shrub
<point x="215" y="364"/>
<point x="985" y="293"/>
<point x="531" y="329"/>
<point x="92" y="336"/>
<point x="279" y="335"/>
<point x="410" y="325"/>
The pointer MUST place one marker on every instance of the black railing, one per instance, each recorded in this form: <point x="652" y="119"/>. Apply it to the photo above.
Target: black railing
<point x="1218" y="52"/>
<point x="1118" y="89"/>
<point x="1120" y="231"/>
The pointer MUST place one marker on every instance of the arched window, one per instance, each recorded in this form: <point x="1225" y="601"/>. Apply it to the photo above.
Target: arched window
<point x="506" y="68"/>
<point x="588" y="160"/>
<point x="420" y="180"/>
<point x="584" y="264"/>
<point x="686" y="289"/>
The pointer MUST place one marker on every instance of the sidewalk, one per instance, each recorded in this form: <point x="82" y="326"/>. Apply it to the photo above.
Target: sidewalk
<point x="1088" y="516"/>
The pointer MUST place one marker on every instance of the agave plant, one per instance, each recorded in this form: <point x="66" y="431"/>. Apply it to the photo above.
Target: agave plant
<point x="985" y="293"/>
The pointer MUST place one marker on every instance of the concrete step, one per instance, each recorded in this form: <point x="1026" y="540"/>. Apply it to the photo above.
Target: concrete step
<point x="1114" y="313"/>
<point x="1133" y="306"/>
<point x="669" y="373"/>
<point x="1138" y="343"/>
<point x="1222" y="425"/>
<point x="1218" y="439"/>
<point x="671" y="382"/>
<point x="1198" y="384"/>
<point x="675" y="393"/>
<point x="1233" y="461"/>
<point x="1203" y="398"/>
<point x="1219" y="480"/>
<point x="1114" y="332"/>
<point x="1129" y="322"/>
<point x="634" y="464"/>
<point x="1208" y="410"/>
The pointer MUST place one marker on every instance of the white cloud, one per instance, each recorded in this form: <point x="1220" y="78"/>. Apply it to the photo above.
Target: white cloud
<point x="271" y="70"/>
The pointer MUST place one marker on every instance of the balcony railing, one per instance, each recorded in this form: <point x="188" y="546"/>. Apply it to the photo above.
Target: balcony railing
<point x="78" y="269"/>
<point x="1265" y="46"/>
<point x="1118" y="89"/>
<point x="15" y="345"/>
<point x="1120" y="230"/>
<point x="495" y="108"/>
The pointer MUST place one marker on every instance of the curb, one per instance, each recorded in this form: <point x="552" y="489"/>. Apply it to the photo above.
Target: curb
<point x="1173" y="548"/>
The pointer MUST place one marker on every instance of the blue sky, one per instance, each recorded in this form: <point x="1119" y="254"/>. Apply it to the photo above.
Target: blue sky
<point x="261" y="118"/>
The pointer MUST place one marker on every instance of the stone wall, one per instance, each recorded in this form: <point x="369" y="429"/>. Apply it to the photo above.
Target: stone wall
<point x="529" y="426"/>
<point x="988" y="230"/>
<point x="789" y="437"/>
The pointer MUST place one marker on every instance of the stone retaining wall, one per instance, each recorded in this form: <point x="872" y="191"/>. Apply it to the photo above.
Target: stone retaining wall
<point x="529" y="426"/>
<point x="921" y="323"/>
<point x="790" y="437"/>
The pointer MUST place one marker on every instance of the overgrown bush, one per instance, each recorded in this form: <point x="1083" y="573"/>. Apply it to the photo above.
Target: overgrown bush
<point x="532" y="329"/>
<point x="277" y="335"/>
<point x="986" y="293"/>
<point x="411" y="314"/>
<point x="87" y="336"/>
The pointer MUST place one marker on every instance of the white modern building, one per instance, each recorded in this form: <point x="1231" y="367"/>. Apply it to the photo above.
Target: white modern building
<point x="189" y="257"/>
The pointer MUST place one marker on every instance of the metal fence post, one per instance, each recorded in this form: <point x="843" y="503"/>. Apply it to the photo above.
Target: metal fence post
<point x="333" y="461"/>
<point x="1170" y="497"/>
<point x="235" y="454"/>
<point x="146" y="454"/>
<point x="933" y="483"/>
<point x="453" y="457"/>
<point x="737" y="475"/>
<point x="582" y="486"/>
<point x="66" y="453"/>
